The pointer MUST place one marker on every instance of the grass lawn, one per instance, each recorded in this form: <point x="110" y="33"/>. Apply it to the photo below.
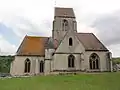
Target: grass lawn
<point x="103" y="81"/>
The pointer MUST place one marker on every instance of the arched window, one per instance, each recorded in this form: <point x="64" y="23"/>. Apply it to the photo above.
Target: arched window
<point x="71" y="59"/>
<point x="65" y="25"/>
<point x="27" y="65"/>
<point x="70" y="42"/>
<point x="94" y="61"/>
<point x="41" y="67"/>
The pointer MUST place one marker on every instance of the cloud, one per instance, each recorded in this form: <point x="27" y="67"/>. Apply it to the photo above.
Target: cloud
<point x="115" y="49"/>
<point x="22" y="26"/>
<point x="8" y="34"/>
<point x="108" y="27"/>
<point x="16" y="28"/>
<point x="34" y="17"/>
<point x="86" y="28"/>
<point x="6" y="48"/>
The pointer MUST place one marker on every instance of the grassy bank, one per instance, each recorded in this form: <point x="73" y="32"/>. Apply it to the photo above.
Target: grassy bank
<point x="103" y="81"/>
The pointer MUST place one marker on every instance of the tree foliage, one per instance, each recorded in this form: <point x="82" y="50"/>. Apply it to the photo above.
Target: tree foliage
<point x="116" y="61"/>
<point x="5" y="62"/>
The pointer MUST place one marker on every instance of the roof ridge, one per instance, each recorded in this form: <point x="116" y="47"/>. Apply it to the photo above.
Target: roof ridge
<point x="64" y="7"/>
<point x="84" y="33"/>
<point x="38" y="36"/>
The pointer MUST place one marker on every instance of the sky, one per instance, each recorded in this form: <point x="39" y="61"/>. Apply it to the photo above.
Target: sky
<point x="34" y="17"/>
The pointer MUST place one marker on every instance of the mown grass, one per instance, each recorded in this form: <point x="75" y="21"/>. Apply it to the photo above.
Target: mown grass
<point x="102" y="81"/>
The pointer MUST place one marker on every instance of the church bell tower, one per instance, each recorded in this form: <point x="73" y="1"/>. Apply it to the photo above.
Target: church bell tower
<point x="64" y="20"/>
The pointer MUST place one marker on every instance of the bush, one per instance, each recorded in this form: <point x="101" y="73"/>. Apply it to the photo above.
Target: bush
<point x="116" y="61"/>
<point x="5" y="62"/>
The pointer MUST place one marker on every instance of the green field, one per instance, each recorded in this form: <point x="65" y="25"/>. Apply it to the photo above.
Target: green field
<point x="103" y="81"/>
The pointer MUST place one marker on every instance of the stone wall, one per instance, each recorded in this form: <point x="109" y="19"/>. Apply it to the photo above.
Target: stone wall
<point x="18" y="65"/>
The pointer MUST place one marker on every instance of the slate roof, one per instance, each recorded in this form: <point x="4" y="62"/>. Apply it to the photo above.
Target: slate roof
<point x="91" y="42"/>
<point x="50" y="43"/>
<point x="64" y="12"/>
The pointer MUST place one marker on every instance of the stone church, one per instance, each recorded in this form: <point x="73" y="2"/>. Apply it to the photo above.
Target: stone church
<point x="67" y="51"/>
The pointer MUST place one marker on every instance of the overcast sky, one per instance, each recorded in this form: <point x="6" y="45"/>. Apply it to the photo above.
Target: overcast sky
<point x="34" y="17"/>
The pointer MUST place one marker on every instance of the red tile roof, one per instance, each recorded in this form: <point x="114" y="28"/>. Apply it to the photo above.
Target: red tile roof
<point x="32" y="46"/>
